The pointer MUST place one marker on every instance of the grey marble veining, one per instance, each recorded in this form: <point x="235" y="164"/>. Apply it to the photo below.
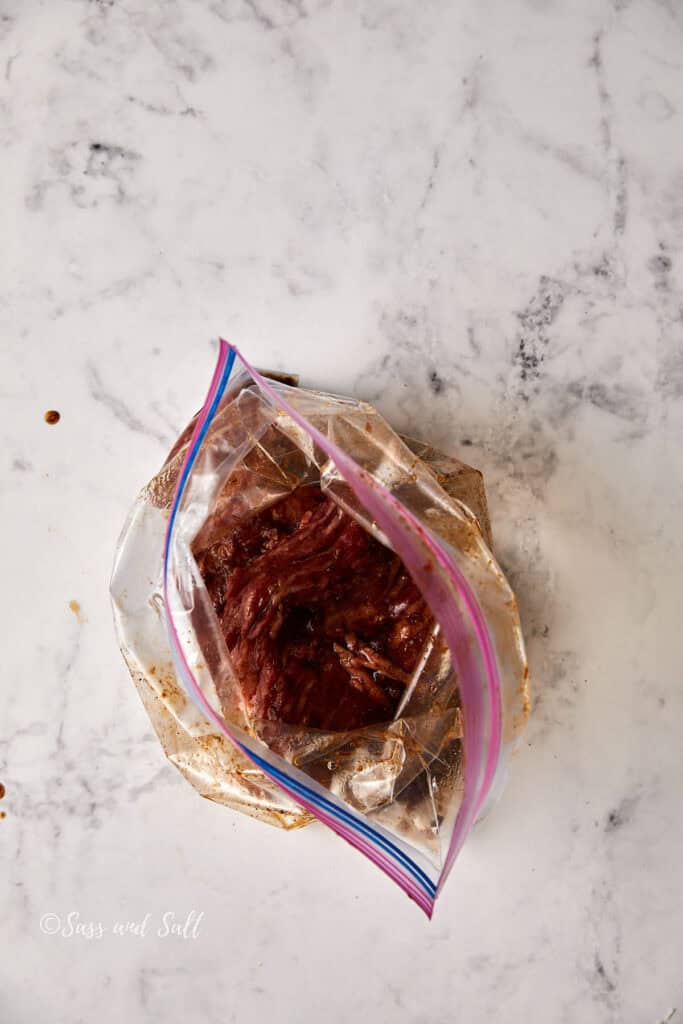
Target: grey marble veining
<point x="471" y="215"/>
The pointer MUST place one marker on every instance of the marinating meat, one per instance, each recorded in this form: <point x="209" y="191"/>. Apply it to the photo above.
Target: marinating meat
<point x="324" y="625"/>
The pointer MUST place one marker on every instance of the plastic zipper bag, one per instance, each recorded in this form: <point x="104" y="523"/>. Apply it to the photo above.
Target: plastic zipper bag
<point x="405" y="789"/>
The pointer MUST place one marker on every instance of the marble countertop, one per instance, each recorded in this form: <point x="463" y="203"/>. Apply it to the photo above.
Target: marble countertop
<point x="472" y="215"/>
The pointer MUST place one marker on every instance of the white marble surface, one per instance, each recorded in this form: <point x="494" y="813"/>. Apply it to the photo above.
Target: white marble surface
<point x="472" y="214"/>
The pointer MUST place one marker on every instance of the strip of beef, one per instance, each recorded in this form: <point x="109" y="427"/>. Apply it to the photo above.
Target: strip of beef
<point x="324" y="625"/>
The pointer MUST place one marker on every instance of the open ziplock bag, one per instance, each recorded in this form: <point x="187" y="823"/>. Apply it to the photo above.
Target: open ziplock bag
<point x="405" y="783"/>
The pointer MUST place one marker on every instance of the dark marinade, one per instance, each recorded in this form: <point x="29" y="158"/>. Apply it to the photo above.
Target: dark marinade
<point x="324" y="625"/>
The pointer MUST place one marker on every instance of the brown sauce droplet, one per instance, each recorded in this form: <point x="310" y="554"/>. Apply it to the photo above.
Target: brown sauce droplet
<point x="75" y="607"/>
<point x="52" y="417"/>
<point x="2" y="814"/>
<point x="2" y="790"/>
